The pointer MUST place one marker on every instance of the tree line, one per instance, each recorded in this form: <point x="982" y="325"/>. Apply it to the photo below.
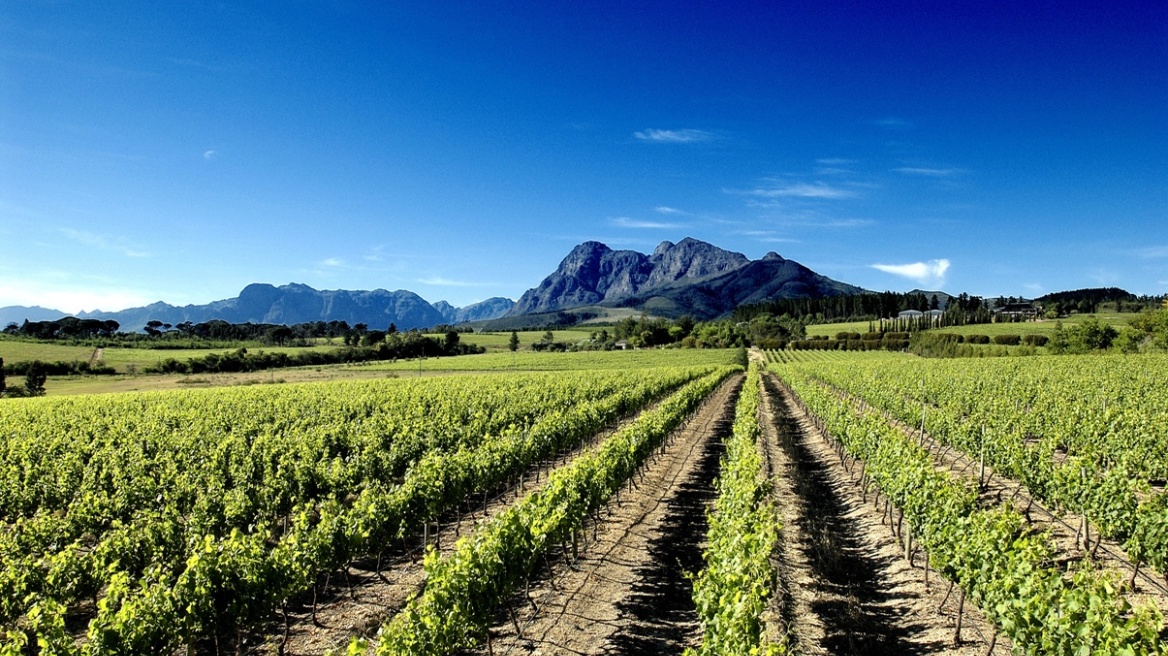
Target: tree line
<point x="195" y="335"/>
<point x="390" y="346"/>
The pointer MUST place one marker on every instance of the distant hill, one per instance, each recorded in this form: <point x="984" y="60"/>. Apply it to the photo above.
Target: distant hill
<point x="1094" y="295"/>
<point x="943" y="298"/>
<point x="18" y="314"/>
<point x="483" y="310"/>
<point x="690" y="277"/>
<point x="290" y="304"/>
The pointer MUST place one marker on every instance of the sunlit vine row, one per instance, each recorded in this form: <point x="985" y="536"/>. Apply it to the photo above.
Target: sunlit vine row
<point x="1083" y="433"/>
<point x="991" y="554"/>
<point x="732" y="590"/>
<point x="466" y="589"/>
<point x="164" y="574"/>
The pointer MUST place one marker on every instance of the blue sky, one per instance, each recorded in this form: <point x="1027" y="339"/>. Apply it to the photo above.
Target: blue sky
<point x="178" y="151"/>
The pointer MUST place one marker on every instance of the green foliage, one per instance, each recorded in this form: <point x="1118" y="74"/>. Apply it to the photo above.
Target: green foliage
<point x="1035" y="340"/>
<point x="34" y="379"/>
<point x="1083" y="433"/>
<point x="194" y="515"/>
<point x="1005" y="568"/>
<point x="1089" y="335"/>
<point x="733" y="589"/>
<point x="465" y="589"/>
<point x="1154" y="325"/>
<point x="379" y="346"/>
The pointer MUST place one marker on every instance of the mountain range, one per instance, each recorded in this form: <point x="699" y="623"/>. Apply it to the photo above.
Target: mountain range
<point x="690" y="277"/>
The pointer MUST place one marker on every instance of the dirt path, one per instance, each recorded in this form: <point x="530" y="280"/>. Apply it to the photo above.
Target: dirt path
<point x="374" y="592"/>
<point x="846" y="587"/>
<point x="627" y="593"/>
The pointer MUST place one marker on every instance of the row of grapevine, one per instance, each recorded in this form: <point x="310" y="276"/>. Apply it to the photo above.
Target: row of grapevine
<point x="161" y="577"/>
<point x="465" y="590"/>
<point x="733" y="589"/>
<point x="1084" y="434"/>
<point x="991" y="554"/>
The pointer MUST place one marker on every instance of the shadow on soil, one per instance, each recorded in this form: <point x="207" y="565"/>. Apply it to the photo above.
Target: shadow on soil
<point x="854" y="598"/>
<point x="660" y="605"/>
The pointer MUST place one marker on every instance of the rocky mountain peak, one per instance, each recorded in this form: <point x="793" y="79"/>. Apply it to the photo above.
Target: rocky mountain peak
<point x="691" y="259"/>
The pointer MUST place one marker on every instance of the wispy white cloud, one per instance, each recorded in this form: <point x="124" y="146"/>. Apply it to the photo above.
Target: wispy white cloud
<point x="802" y="190"/>
<point x="674" y="136"/>
<point x="92" y="240"/>
<point x="893" y="123"/>
<point x="768" y="237"/>
<point x="331" y="263"/>
<point x="626" y="222"/>
<point x="928" y="172"/>
<point x="210" y="154"/>
<point x="1152" y="252"/>
<point x="439" y="281"/>
<point x="930" y="273"/>
<point x="835" y="161"/>
<point x="1034" y="288"/>
<point x="662" y="209"/>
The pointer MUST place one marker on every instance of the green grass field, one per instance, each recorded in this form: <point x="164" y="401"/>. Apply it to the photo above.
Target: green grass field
<point x="830" y="329"/>
<point x="500" y="341"/>
<point x="532" y="361"/>
<point x="14" y="350"/>
<point x="1043" y="327"/>
<point x="498" y="361"/>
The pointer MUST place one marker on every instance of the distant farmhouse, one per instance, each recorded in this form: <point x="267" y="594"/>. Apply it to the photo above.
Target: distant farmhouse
<point x="1015" y="311"/>
<point x="916" y="314"/>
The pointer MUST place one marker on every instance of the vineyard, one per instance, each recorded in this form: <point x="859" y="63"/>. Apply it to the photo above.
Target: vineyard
<point x="822" y="502"/>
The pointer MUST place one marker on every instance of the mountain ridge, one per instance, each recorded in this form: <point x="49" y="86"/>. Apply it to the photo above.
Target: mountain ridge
<point x="688" y="277"/>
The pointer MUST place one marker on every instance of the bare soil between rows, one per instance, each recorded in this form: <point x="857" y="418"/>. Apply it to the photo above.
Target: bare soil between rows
<point x="845" y="585"/>
<point x="1065" y="529"/>
<point x="356" y="602"/>
<point x="627" y="592"/>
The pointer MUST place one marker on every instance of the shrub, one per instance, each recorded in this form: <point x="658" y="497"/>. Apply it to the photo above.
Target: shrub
<point x="1008" y="340"/>
<point x="1035" y="340"/>
<point x="846" y="336"/>
<point x="977" y="339"/>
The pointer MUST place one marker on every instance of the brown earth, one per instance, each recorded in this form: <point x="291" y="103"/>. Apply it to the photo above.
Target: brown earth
<point x="627" y="593"/>
<point x="846" y="587"/>
<point x="358" y="601"/>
